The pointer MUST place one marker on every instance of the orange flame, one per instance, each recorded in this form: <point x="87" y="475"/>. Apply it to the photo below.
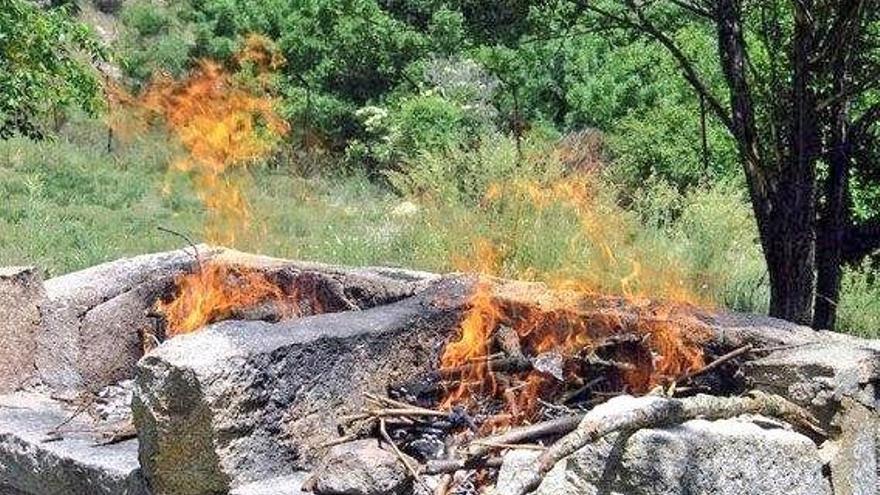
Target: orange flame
<point x="222" y="125"/>
<point x="671" y="334"/>
<point x="213" y="293"/>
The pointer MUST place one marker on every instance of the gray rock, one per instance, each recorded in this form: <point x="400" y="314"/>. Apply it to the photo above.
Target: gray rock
<point x="98" y="312"/>
<point x="21" y="295"/>
<point x="360" y="468"/>
<point x="71" y="465"/>
<point x="282" y="485"/>
<point x="726" y="457"/>
<point x="97" y="321"/>
<point x="852" y="454"/>
<point x="819" y="375"/>
<point x="242" y="401"/>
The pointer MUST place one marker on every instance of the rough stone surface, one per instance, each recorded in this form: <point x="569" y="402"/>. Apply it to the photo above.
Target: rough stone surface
<point x="73" y="465"/>
<point x="725" y="457"/>
<point x="241" y="401"/>
<point x="819" y="375"/>
<point x="851" y="455"/>
<point x="21" y="295"/>
<point x="360" y="468"/>
<point x="97" y="320"/>
<point x="282" y="485"/>
<point x="99" y="312"/>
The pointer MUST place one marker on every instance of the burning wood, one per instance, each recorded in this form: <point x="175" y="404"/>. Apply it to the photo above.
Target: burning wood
<point x="516" y="374"/>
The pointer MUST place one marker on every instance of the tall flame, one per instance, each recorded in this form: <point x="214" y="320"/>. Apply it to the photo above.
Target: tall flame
<point x="224" y="123"/>
<point x="669" y="329"/>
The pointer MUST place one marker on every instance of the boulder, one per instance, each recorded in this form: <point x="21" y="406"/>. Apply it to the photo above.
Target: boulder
<point x="360" y="468"/>
<point x="819" y="374"/>
<point x="725" y="457"/>
<point x="71" y="464"/>
<point x="852" y="454"/>
<point x="241" y="401"/>
<point x="21" y="297"/>
<point x="99" y="312"/>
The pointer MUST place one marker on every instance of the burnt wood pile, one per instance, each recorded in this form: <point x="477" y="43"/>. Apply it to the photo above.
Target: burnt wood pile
<point x="363" y="381"/>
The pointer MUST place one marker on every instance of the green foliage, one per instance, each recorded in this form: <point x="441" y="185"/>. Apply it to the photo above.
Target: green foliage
<point x="859" y="310"/>
<point x="461" y="176"/>
<point x="156" y="39"/>
<point x="44" y="66"/>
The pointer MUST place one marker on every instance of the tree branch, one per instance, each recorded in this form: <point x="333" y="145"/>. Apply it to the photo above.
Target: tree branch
<point x="643" y="25"/>
<point x="650" y="412"/>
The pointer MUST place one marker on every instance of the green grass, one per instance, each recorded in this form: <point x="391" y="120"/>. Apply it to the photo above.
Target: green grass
<point x="68" y="204"/>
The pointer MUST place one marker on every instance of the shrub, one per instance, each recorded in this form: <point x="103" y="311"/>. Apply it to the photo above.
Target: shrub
<point x="859" y="310"/>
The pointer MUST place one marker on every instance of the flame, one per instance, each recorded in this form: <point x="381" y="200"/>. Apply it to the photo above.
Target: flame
<point x="223" y="126"/>
<point x="224" y="123"/>
<point x="651" y="301"/>
<point x="213" y="293"/>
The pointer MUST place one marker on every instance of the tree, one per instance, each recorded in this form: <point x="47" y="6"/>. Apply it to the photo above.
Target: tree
<point x="44" y="66"/>
<point x="802" y="78"/>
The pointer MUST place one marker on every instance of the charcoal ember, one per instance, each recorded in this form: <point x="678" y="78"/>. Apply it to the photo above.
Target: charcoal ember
<point x="460" y="417"/>
<point x="422" y="391"/>
<point x="550" y="363"/>
<point x="423" y="442"/>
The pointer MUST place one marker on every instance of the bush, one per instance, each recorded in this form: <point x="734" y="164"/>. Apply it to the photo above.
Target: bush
<point x="859" y="310"/>
<point x="154" y="39"/>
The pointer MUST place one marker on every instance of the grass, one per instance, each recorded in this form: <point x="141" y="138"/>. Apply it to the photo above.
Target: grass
<point x="68" y="204"/>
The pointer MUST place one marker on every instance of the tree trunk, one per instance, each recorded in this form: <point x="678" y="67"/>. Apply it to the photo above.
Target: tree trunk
<point x="834" y="215"/>
<point x="790" y="252"/>
<point x="782" y="194"/>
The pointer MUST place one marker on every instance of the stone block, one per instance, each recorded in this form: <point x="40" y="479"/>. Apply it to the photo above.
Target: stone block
<point x="360" y="468"/>
<point x="725" y="457"/>
<point x="21" y="298"/>
<point x="71" y="465"/>
<point x="242" y="401"/>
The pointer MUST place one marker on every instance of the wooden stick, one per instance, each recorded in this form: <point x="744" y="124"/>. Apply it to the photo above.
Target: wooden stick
<point x="400" y="455"/>
<point x="453" y="465"/>
<point x="338" y="441"/>
<point x="558" y="426"/>
<point x="520" y="446"/>
<point x="718" y="362"/>
<point x="188" y="241"/>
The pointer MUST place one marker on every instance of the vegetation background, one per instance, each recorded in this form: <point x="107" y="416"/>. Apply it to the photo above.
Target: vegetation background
<point x="408" y="117"/>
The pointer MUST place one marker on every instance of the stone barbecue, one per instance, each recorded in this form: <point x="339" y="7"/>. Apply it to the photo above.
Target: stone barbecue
<point x="336" y="385"/>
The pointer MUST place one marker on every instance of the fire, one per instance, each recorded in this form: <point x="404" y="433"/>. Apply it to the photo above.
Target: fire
<point x="223" y="126"/>
<point x="224" y="123"/>
<point x="670" y="333"/>
<point x="214" y="293"/>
